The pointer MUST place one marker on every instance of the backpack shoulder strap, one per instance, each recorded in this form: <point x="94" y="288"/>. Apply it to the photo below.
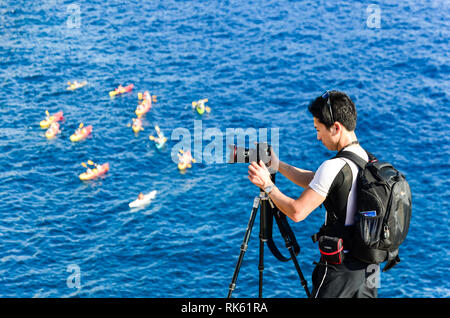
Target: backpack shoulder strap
<point x="355" y="158"/>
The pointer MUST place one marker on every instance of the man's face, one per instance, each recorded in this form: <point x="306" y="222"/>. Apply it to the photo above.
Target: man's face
<point x="328" y="137"/>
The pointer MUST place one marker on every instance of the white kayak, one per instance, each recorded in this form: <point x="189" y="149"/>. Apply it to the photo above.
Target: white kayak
<point x="146" y="200"/>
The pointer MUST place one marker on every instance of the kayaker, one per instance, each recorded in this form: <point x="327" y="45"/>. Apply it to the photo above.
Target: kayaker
<point x="52" y="130"/>
<point x="79" y="130"/>
<point x="137" y="122"/>
<point x="201" y="105"/>
<point x="140" y="107"/>
<point x="161" y="136"/>
<point x="75" y="84"/>
<point x="186" y="157"/>
<point x="54" y="127"/>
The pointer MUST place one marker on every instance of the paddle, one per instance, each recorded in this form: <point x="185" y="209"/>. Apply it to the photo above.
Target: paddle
<point x="151" y="137"/>
<point x="79" y="129"/>
<point x="89" y="162"/>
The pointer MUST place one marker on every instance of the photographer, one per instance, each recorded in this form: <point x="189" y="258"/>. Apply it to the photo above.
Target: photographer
<point x="334" y="116"/>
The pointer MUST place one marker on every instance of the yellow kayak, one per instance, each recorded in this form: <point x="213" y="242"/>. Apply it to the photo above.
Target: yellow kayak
<point x="74" y="86"/>
<point x="95" y="172"/>
<point x="52" y="131"/>
<point x="82" y="135"/>
<point x="183" y="166"/>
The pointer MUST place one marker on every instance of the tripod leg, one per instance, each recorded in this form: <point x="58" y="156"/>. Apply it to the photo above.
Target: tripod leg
<point x="261" y="264"/>
<point x="282" y="226"/>
<point x="299" y="271"/>
<point x="244" y="245"/>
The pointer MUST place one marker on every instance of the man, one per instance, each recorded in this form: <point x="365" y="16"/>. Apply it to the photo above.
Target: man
<point x="332" y="184"/>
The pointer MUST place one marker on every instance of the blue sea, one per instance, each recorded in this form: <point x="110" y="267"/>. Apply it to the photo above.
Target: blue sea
<point x="259" y="64"/>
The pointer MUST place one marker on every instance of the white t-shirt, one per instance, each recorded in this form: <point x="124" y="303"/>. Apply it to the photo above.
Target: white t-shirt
<point x="327" y="172"/>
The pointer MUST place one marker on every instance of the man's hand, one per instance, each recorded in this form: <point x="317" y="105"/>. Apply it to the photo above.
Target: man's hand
<point x="259" y="175"/>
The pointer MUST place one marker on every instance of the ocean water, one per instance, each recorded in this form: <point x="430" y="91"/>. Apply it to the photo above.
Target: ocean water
<point x="259" y="63"/>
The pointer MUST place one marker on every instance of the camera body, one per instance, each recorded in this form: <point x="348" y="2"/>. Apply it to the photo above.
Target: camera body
<point x="247" y="155"/>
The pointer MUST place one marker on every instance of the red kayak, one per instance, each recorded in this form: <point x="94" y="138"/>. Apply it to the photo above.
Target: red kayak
<point x="121" y="90"/>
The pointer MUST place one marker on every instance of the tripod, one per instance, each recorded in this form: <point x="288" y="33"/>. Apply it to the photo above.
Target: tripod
<point x="268" y="212"/>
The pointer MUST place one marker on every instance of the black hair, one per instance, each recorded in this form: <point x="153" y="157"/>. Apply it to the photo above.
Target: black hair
<point x="342" y="107"/>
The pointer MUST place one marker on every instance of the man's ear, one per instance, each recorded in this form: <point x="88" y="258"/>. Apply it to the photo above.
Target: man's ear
<point x="336" y="128"/>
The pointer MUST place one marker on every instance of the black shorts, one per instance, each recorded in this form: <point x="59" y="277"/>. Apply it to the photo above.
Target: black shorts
<point x="351" y="279"/>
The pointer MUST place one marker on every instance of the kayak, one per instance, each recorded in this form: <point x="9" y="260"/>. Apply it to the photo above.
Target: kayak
<point x="200" y="110"/>
<point x="54" y="118"/>
<point x="95" y="172"/>
<point x="74" y="86"/>
<point x="146" y="200"/>
<point x="85" y="131"/>
<point x="183" y="166"/>
<point x="52" y="131"/>
<point x="146" y="107"/>
<point x="200" y="106"/>
<point x="118" y="91"/>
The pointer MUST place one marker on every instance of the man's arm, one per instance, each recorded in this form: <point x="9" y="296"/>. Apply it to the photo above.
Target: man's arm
<point x="296" y="175"/>
<point x="297" y="210"/>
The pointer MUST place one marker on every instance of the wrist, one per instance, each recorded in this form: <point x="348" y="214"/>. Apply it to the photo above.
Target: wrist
<point x="268" y="187"/>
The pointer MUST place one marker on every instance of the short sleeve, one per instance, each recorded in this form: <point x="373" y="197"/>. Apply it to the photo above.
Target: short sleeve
<point x="325" y="175"/>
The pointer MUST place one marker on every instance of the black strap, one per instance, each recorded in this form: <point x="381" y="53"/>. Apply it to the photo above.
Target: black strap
<point x="360" y="162"/>
<point x="393" y="259"/>
<point x="288" y="236"/>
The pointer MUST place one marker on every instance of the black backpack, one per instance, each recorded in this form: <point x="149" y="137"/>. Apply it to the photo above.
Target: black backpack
<point x="383" y="211"/>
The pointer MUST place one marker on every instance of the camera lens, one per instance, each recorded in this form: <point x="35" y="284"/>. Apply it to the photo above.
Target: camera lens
<point x="246" y="155"/>
<point x="239" y="154"/>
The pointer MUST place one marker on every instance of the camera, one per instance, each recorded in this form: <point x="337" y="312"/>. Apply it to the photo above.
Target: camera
<point x="246" y="155"/>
